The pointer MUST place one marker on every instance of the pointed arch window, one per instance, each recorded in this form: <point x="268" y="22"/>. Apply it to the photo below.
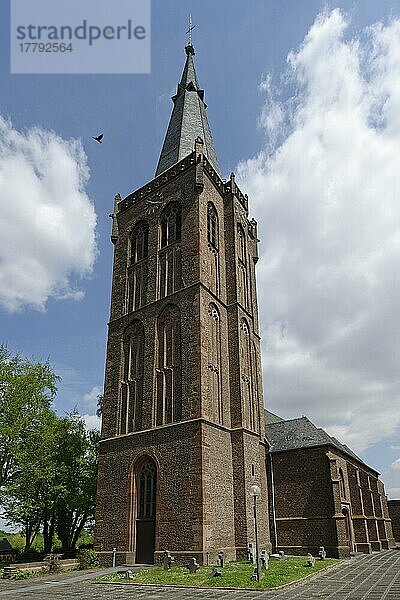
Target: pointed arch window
<point x="215" y="364"/>
<point x="342" y="488"/>
<point x="213" y="248"/>
<point x="137" y="267"/>
<point x="168" y="371"/>
<point x="146" y="484"/>
<point x="246" y="376"/>
<point x="243" y="293"/>
<point x="169" y="255"/>
<point x="131" y="395"/>
<point x="212" y="226"/>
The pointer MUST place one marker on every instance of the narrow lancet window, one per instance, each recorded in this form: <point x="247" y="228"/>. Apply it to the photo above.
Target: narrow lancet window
<point x="214" y="364"/>
<point x="137" y="267"/>
<point x="168" y="406"/>
<point x="213" y="248"/>
<point x="147" y="490"/>
<point x="131" y="396"/>
<point x="243" y="293"/>
<point x="169" y="255"/>
<point x="246" y="376"/>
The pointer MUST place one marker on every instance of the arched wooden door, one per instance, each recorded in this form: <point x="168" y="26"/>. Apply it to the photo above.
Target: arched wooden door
<point x="145" y="529"/>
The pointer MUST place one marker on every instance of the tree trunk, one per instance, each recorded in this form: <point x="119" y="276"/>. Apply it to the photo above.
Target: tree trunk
<point x="48" y="530"/>
<point x="64" y="527"/>
<point x="78" y="530"/>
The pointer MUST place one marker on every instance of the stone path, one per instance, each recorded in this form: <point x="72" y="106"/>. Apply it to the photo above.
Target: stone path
<point x="366" y="577"/>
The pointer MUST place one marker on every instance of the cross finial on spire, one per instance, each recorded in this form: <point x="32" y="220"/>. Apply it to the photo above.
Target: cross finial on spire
<point x="189" y="31"/>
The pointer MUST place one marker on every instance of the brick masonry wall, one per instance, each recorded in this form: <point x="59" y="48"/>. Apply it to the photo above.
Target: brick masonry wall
<point x="204" y="470"/>
<point x="217" y="484"/>
<point x="373" y="530"/>
<point x="209" y="408"/>
<point x="304" y="504"/>
<point x="385" y="527"/>
<point x="210" y="194"/>
<point x="180" y="189"/>
<point x="176" y="450"/>
<point x="249" y="457"/>
<point x="394" y="512"/>
<point x="300" y="475"/>
<point x="311" y="503"/>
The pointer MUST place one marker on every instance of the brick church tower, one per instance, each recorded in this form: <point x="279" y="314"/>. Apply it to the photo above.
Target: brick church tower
<point x="183" y="417"/>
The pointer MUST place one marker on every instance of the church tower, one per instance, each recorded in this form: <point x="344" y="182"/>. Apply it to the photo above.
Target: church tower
<point x="183" y="417"/>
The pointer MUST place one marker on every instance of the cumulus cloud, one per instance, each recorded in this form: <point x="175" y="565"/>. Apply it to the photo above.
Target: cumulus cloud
<point x="47" y="222"/>
<point x="90" y="399"/>
<point x="326" y="189"/>
<point x="92" y="422"/>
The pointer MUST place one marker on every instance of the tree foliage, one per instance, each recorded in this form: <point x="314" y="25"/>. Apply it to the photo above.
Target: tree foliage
<point x="26" y="391"/>
<point x="48" y="464"/>
<point x="78" y="462"/>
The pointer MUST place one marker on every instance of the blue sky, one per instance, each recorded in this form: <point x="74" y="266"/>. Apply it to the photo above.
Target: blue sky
<point x="241" y="60"/>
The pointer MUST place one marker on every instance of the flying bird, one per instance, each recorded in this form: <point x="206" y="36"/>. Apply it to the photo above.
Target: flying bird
<point x="99" y="138"/>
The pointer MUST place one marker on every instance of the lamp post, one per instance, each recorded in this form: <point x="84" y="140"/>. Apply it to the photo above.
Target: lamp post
<point x="255" y="491"/>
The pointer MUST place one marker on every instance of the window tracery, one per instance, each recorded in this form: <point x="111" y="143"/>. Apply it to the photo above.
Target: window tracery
<point x="215" y="363"/>
<point x="137" y="267"/>
<point x="131" y="398"/>
<point x="169" y="255"/>
<point x="168" y="407"/>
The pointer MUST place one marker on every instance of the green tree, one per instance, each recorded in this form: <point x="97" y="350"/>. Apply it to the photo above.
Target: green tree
<point x="100" y="403"/>
<point x="78" y="456"/>
<point x="32" y="493"/>
<point x="26" y="391"/>
<point x="55" y="487"/>
<point x="48" y="465"/>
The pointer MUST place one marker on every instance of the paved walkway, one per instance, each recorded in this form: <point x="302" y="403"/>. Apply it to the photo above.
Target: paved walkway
<point x="366" y="577"/>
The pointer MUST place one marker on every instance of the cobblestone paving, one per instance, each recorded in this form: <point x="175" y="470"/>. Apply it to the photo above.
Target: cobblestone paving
<point x="366" y="577"/>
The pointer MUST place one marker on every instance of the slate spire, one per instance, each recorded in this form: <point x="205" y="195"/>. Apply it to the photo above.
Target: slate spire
<point x="188" y="121"/>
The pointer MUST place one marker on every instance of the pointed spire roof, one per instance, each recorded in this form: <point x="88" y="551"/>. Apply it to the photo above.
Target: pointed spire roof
<point x="188" y="121"/>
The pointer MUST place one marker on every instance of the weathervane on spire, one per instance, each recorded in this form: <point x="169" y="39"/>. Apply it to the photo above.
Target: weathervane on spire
<point x="189" y="31"/>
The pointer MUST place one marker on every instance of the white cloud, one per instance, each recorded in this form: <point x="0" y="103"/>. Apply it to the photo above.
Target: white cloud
<point x="395" y="465"/>
<point x="90" y="399"/>
<point x="47" y="222"/>
<point x="393" y="493"/>
<point x="92" y="422"/>
<point x="394" y="447"/>
<point x="327" y="195"/>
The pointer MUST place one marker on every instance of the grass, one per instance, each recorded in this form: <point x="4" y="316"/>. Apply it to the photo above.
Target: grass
<point x="234" y="574"/>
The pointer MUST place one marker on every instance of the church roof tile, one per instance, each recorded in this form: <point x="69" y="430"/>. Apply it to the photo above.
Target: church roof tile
<point x="188" y="121"/>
